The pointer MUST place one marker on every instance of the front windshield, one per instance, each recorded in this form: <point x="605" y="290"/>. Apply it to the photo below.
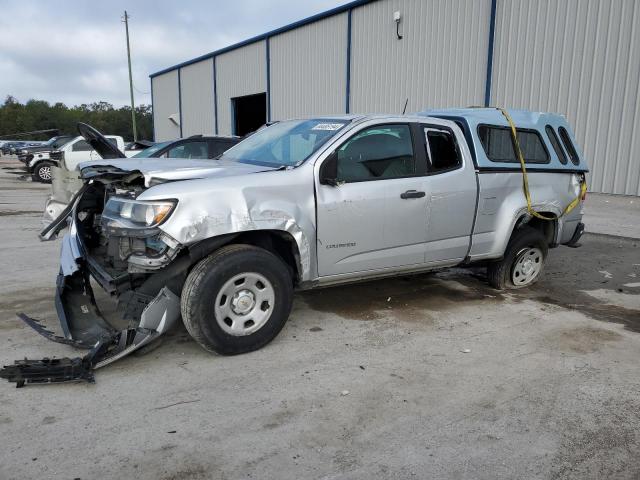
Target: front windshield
<point x="284" y="144"/>
<point x="148" y="152"/>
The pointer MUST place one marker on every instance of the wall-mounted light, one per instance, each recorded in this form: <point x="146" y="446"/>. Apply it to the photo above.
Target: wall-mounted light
<point x="175" y="119"/>
<point x="396" y="18"/>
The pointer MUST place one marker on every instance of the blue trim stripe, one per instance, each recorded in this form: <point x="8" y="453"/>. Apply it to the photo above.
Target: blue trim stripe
<point x="215" y="95"/>
<point x="492" y="31"/>
<point x="348" y="88"/>
<point x="329" y="13"/>
<point x="180" y="101"/>
<point x="268" y="59"/>
<point x="153" y="116"/>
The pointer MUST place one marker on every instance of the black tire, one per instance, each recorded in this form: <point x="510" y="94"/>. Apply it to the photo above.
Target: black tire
<point x="523" y="240"/>
<point x="42" y="172"/>
<point x="205" y="283"/>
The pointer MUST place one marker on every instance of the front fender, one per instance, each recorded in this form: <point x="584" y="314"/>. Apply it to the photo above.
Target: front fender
<point x="194" y="222"/>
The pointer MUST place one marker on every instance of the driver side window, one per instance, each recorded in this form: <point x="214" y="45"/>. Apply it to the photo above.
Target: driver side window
<point x="189" y="150"/>
<point x="81" y="146"/>
<point x="377" y="153"/>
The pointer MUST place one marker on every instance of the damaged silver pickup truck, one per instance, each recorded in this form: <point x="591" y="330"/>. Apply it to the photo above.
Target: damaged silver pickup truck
<point x="304" y="204"/>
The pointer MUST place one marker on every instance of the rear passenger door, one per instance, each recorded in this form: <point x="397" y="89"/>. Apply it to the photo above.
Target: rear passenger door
<point x="451" y="193"/>
<point x="375" y="218"/>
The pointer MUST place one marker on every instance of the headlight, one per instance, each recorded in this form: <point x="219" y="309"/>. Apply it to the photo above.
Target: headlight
<point x="127" y="213"/>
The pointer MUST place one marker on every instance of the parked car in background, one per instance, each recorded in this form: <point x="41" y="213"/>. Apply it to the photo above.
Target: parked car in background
<point x="138" y="145"/>
<point x="12" y="147"/>
<point x="52" y="144"/>
<point x="70" y="154"/>
<point x="196" y="147"/>
<point x="66" y="181"/>
<point x="27" y="154"/>
<point x="9" y="148"/>
<point x="5" y="142"/>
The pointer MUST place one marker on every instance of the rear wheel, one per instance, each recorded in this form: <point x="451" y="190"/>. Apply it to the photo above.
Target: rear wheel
<point x="42" y="172"/>
<point x="523" y="260"/>
<point x="237" y="299"/>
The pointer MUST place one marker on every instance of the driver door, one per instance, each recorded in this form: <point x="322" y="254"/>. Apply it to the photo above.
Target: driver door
<point x="375" y="218"/>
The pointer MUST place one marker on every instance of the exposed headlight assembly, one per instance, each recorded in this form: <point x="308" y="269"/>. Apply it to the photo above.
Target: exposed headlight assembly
<point x="136" y="214"/>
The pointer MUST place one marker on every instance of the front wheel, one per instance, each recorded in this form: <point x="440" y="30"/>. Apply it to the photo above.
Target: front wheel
<point x="42" y="172"/>
<point x="523" y="260"/>
<point x="237" y="299"/>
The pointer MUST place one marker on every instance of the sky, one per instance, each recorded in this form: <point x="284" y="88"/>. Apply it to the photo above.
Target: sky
<point x="74" y="51"/>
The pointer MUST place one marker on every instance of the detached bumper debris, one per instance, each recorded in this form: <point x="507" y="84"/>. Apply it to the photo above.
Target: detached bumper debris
<point x="49" y="370"/>
<point x="84" y="328"/>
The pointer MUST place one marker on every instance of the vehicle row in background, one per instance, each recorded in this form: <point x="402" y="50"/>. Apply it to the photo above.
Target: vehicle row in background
<point x="11" y="147"/>
<point x="66" y="176"/>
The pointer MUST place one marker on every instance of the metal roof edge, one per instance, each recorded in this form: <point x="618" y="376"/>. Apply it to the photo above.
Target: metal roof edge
<point x="291" y="26"/>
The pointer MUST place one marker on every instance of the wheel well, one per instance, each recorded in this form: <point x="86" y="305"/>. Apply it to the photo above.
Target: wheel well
<point x="278" y="242"/>
<point x="547" y="227"/>
<point x="40" y="162"/>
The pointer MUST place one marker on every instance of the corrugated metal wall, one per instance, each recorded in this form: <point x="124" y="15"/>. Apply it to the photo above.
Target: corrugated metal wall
<point x="196" y="83"/>
<point x="308" y="69"/>
<point x="239" y="72"/>
<point x="441" y="60"/>
<point x="165" y="102"/>
<point x="580" y="58"/>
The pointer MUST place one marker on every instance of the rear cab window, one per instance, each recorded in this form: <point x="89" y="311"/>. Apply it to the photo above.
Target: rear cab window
<point x="443" y="154"/>
<point x="499" y="147"/>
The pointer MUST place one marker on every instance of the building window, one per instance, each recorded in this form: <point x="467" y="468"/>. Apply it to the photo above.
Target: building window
<point x="498" y="144"/>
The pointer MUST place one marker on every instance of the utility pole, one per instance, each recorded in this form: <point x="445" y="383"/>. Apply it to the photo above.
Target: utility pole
<point x="133" y="107"/>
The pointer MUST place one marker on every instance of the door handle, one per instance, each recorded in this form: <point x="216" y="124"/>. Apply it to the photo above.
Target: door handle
<point x="412" y="194"/>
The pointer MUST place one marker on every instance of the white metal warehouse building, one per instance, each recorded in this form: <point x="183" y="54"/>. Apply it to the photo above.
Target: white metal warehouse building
<point x="580" y="58"/>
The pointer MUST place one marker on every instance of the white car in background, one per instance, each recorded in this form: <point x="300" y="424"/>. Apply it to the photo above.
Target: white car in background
<point x="71" y="153"/>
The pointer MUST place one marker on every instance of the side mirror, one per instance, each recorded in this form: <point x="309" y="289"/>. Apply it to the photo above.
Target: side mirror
<point x="329" y="171"/>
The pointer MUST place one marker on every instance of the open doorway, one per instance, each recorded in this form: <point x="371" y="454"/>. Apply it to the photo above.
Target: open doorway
<point x="249" y="113"/>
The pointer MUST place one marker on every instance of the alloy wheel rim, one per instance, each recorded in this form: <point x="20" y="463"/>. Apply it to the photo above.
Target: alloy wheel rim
<point x="45" y="173"/>
<point x="244" y="304"/>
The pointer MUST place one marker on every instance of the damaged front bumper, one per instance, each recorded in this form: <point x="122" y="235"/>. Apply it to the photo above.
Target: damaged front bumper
<point x="83" y="325"/>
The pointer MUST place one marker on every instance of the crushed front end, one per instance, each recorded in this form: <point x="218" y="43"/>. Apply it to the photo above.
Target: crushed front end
<point x="114" y="239"/>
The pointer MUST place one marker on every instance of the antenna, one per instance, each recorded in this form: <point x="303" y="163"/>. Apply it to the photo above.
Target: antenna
<point x="405" y="106"/>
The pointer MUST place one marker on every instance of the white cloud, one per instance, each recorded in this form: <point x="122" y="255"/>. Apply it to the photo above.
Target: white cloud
<point x="75" y="52"/>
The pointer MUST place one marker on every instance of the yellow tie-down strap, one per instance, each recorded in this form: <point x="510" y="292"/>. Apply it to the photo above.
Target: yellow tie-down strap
<point x="525" y="180"/>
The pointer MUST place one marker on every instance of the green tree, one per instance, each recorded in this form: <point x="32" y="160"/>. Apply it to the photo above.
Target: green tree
<point x="40" y="115"/>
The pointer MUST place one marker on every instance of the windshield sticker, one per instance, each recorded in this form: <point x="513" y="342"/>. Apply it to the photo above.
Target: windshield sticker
<point x="328" y="126"/>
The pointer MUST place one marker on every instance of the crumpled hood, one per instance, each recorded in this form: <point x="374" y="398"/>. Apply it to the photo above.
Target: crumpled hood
<point x="158" y="170"/>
